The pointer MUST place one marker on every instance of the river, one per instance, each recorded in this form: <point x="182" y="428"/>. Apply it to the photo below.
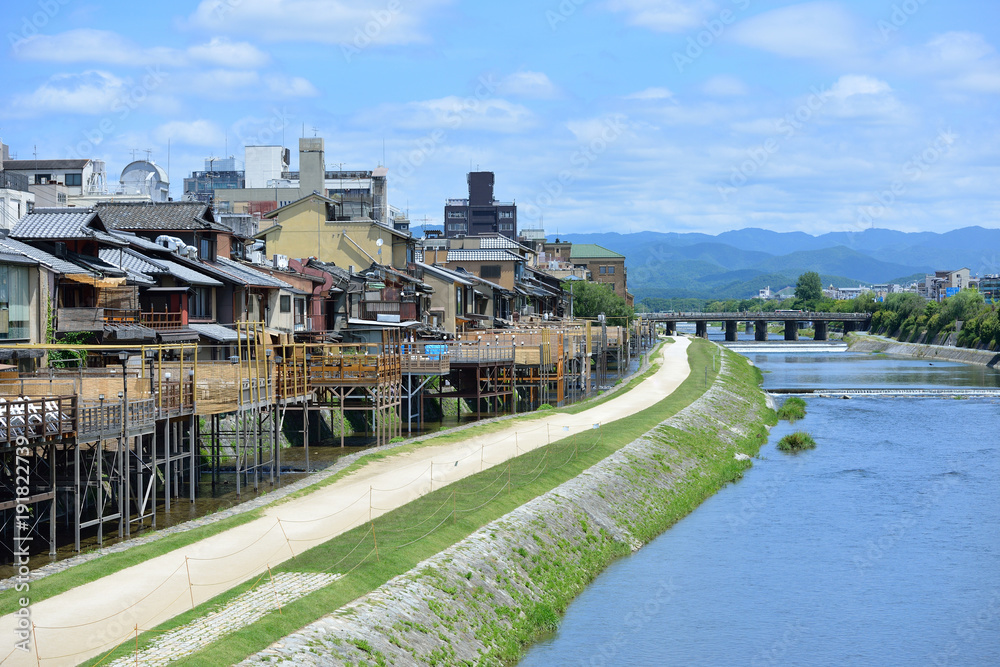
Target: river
<point x="881" y="546"/>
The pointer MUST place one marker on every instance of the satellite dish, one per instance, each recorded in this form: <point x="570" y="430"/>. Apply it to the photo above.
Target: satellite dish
<point x="379" y="242"/>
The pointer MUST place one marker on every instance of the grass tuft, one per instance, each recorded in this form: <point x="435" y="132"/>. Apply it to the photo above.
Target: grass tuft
<point x="796" y="442"/>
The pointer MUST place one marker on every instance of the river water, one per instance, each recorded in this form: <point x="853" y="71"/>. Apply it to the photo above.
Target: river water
<point x="881" y="546"/>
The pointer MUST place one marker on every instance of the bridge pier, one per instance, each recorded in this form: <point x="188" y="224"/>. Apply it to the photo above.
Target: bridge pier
<point x="749" y="327"/>
<point x="821" y="329"/>
<point x="849" y="327"/>
<point x="701" y="329"/>
<point x="731" y="329"/>
<point x="791" y="330"/>
<point x="669" y="328"/>
<point x="760" y="330"/>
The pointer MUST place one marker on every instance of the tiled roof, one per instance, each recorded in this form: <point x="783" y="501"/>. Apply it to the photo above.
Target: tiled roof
<point x="500" y="242"/>
<point x="217" y="332"/>
<point x="246" y="274"/>
<point x="472" y="255"/>
<point x="165" y="216"/>
<point x="131" y="260"/>
<point x="592" y="251"/>
<point x="34" y="165"/>
<point x="444" y="273"/>
<point x="57" y="264"/>
<point x="56" y="224"/>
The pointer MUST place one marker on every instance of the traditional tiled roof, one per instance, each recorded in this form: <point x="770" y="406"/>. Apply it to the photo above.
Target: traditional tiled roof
<point x="35" y="165"/>
<point x="131" y="260"/>
<point x="441" y="272"/>
<point x="248" y="275"/>
<point x="501" y="242"/>
<point x="166" y="216"/>
<point x="57" y="264"/>
<point x="58" y="224"/>
<point x="473" y="255"/>
<point x="592" y="251"/>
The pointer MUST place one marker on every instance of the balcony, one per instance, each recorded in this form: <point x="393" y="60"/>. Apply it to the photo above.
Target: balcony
<point x="162" y="321"/>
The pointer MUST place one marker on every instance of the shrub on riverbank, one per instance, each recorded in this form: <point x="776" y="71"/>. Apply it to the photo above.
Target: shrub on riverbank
<point x="796" y="442"/>
<point x="792" y="410"/>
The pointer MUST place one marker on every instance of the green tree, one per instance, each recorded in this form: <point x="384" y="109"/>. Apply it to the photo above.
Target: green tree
<point x="592" y="299"/>
<point x="809" y="289"/>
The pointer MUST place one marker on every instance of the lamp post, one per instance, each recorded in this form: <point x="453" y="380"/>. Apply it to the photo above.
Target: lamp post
<point x="100" y="472"/>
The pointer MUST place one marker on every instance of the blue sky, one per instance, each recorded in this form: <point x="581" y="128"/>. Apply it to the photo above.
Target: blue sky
<point x="596" y="115"/>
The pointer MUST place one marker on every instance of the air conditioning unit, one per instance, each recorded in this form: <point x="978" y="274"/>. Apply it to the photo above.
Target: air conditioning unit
<point x="280" y="261"/>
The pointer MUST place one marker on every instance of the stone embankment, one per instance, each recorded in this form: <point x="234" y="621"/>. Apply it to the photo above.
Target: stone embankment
<point x="942" y="352"/>
<point x="484" y="599"/>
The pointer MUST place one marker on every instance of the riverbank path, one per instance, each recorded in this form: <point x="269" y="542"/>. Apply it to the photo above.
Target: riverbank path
<point x="91" y="619"/>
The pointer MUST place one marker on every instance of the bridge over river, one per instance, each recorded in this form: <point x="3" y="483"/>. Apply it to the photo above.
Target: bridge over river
<point x="757" y="322"/>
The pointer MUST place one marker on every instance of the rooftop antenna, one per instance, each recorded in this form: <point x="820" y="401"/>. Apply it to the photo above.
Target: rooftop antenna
<point x="148" y="152"/>
<point x="134" y="151"/>
<point x="168" y="168"/>
<point x="314" y="130"/>
<point x="383" y="156"/>
<point x="35" y="152"/>
<point x="227" y="141"/>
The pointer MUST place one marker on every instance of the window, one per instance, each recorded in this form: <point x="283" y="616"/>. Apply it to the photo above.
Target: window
<point x="285" y="303"/>
<point x="456" y="226"/>
<point x="459" y="301"/>
<point x="604" y="270"/>
<point x="206" y="249"/>
<point x="42" y="179"/>
<point x="456" y="215"/>
<point x="611" y="269"/>
<point x="489" y="271"/>
<point x="300" y="312"/>
<point x="506" y="226"/>
<point x="506" y="214"/>
<point x="15" y="302"/>
<point x="74" y="179"/>
<point x="200" y="303"/>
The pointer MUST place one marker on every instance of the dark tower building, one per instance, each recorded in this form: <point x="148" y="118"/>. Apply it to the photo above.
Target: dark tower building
<point x="480" y="214"/>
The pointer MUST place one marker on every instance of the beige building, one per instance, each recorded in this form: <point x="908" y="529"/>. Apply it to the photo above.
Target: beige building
<point x="312" y="227"/>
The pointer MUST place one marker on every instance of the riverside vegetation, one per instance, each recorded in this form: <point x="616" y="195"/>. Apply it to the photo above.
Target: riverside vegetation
<point x="796" y="442"/>
<point x="500" y="582"/>
<point x="792" y="410"/>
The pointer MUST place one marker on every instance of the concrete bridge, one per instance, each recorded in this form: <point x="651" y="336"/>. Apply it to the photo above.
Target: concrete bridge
<point x="898" y="392"/>
<point x="757" y="322"/>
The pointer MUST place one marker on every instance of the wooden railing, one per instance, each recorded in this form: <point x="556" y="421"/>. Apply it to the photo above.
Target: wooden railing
<point x="426" y="358"/>
<point x="37" y="419"/>
<point x="161" y="321"/>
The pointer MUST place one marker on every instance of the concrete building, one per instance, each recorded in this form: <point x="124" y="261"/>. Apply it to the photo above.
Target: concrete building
<point x="219" y="174"/>
<point x="80" y="177"/>
<point x="363" y="193"/>
<point x="264" y="164"/>
<point x="16" y="199"/>
<point x="481" y="213"/>
<point x="605" y="266"/>
<point x="143" y="178"/>
<point x="989" y="286"/>
<point x="944" y="284"/>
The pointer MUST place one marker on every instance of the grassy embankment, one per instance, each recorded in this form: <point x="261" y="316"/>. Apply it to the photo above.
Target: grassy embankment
<point x="438" y="520"/>
<point x="107" y="564"/>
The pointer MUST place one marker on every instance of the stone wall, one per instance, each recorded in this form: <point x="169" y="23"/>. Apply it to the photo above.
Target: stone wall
<point x="484" y="599"/>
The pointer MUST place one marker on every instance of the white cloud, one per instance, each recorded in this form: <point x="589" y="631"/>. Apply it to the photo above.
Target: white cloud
<point x="855" y="84"/>
<point x="220" y="51"/>
<point x="527" y="84"/>
<point x="454" y="113"/>
<point x="193" y="133"/>
<point x="962" y="61"/>
<point x="295" y="86"/>
<point x="111" y="48"/>
<point x="649" y="94"/>
<point x="663" y="15"/>
<point x="858" y="95"/>
<point x="822" y="30"/>
<point x="91" y="92"/>
<point x="356" y="24"/>
<point x="724" y="86"/>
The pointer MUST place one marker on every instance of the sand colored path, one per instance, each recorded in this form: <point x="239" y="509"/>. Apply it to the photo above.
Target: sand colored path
<point x="94" y="618"/>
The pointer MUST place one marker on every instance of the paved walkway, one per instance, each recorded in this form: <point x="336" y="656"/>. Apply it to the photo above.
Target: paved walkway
<point x="94" y="618"/>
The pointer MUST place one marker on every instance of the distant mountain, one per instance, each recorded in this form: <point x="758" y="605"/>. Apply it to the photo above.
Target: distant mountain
<point x="737" y="264"/>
